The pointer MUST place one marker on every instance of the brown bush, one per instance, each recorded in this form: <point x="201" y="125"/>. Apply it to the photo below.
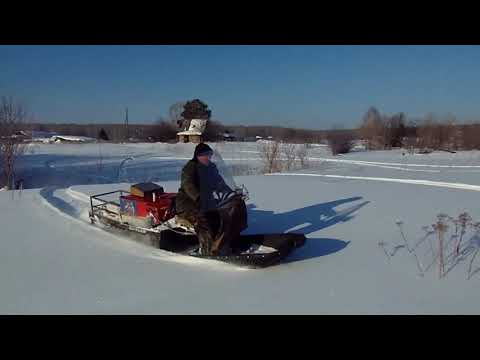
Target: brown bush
<point x="382" y="131"/>
<point x="270" y="154"/>
<point x="164" y="131"/>
<point x="470" y="136"/>
<point x="372" y="129"/>
<point x="289" y="153"/>
<point x="437" y="134"/>
<point x="213" y="131"/>
<point x="302" y="153"/>
<point x="340" y="141"/>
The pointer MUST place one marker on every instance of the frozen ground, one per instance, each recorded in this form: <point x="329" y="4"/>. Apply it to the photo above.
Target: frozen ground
<point x="53" y="261"/>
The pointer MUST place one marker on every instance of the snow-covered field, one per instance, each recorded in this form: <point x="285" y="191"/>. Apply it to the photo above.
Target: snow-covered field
<point x="53" y="261"/>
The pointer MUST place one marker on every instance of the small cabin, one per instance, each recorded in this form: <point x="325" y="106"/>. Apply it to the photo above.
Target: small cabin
<point x="194" y="132"/>
<point x="71" y="139"/>
<point x="227" y="136"/>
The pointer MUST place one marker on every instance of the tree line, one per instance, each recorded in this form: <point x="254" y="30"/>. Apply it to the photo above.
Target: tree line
<point x="165" y="128"/>
<point x="432" y="132"/>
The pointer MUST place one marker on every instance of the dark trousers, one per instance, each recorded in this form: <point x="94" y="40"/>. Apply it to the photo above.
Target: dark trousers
<point x="219" y="230"/>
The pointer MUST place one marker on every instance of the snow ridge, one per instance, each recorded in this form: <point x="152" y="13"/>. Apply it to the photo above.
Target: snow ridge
<point x="402" y="181"/>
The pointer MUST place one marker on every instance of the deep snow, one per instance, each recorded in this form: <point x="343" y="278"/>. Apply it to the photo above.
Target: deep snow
<point x="54" y="261"/>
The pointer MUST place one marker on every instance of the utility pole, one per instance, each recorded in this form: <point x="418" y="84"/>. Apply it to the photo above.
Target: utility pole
<point x="126" y="122"/>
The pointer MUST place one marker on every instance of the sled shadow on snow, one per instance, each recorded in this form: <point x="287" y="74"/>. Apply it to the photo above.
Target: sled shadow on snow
<point x="306" y="220"/>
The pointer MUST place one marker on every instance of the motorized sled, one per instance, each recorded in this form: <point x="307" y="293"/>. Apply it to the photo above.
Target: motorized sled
<point x="148" y="211"/>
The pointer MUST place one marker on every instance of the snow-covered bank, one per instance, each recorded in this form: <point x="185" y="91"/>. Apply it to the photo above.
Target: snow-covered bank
<point x="79" y="164"/>
<point x="66" y="265"/>
<point x="52" y="260"/>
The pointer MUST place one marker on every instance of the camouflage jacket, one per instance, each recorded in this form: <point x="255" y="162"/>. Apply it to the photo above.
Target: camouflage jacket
<point x="197" y="186"/>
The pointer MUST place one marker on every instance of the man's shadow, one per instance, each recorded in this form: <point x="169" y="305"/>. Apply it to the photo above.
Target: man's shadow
<point x="305" y="220"/>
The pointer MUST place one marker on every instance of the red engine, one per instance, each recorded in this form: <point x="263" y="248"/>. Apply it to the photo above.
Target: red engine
<point x="148" y="200"/>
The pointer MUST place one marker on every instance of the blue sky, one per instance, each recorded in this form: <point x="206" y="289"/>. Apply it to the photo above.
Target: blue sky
<point x="302" y="86"/>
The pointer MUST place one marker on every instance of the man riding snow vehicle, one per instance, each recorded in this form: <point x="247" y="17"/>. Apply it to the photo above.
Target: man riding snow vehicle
<point x="208" y="213"/>
<point x="216" y="211"/>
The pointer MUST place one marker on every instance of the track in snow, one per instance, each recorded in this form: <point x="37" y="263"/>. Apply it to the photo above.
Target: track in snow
<point x="74" y="205"/>
<point x="450" y="185"/>
<point x="375" y="163"/>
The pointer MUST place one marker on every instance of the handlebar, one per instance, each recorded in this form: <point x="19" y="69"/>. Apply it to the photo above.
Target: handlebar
<point x="226" y="197"/>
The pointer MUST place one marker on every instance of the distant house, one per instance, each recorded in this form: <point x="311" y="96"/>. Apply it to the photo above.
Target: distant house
<point x="261" y="138"/>
<point x="70" y="139"/>
<point x="42" y="136"/>
<point x="18" y="136"/>
<point x="266" y="139"/>
<point x="227" y="136"/>
<point x="21" y="134"/>
<point x="194" y="133"/>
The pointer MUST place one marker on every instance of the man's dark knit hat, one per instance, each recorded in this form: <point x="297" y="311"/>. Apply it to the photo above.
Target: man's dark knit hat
<point x="202" y="149"/>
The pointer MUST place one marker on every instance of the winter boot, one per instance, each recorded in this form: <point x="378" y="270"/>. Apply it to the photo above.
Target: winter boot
<point x="204" y="234"/>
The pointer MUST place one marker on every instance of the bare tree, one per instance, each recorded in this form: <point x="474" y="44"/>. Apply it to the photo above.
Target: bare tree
<point x="383" y="131"/>
<point x="164" y="131"/>
<point x="411" y="136"/>
<point x="425" y="132"/>
<point x="213" y="130"/>
<point x="175" y="113"/>
<point x="372" y="129"/>
<point x="452" y="135"/>
<point x="288" y="150"/>
<point x="302" y="153"/>
<point x="397" y="130"/>
<point x="436" y="133"/>
<point x="12" y="119"/>
<point x="270" y="155"/>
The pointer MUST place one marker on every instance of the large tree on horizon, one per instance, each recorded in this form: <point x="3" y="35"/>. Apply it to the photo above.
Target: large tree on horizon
<point x="196" y="109"/>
